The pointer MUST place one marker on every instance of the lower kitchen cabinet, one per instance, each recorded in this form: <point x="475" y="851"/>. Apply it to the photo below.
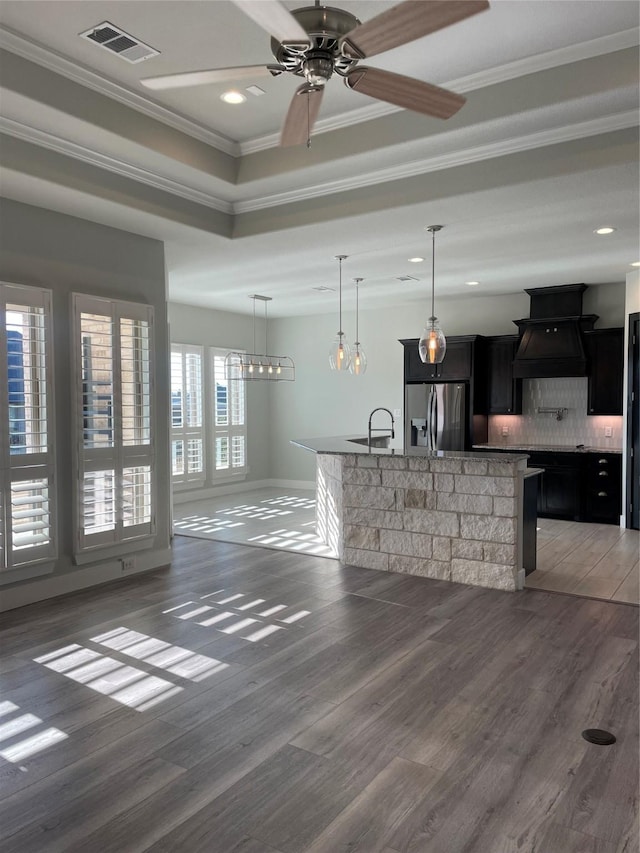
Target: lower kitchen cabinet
<point x="578" y="486"/>
<point x="560" y="485"/>
<point x="603" y="488"/>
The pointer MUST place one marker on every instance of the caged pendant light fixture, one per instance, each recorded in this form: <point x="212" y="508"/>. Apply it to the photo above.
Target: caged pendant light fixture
<point x="251" y="365"/>
<point x="433" y="344"/>
<point x="358" y="358"/>
<point x="340" y="353"/>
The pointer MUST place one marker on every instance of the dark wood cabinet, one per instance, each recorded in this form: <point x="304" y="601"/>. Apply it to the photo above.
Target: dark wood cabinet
<point x="504" y="392"/>
<point x="603" y="488"/>
<point x="456" y="366"/>
<point x="560" y="484"/>
<point x="583" y="486"/>
<point x="605" y="353"/>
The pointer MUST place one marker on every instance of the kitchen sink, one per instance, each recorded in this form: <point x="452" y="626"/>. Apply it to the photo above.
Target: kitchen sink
<point x="375" y="441"/>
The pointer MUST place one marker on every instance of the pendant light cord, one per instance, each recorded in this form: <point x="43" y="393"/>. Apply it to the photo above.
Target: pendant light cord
<point x="340" y="294"/>
<point x="266" y="347"/>
<point x="433" y="274"/>
<point x="254" y="323"/>
<point x="357" y="311"/>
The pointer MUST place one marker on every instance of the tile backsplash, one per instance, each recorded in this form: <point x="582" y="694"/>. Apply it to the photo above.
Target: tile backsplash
<point x="576" y="427"/>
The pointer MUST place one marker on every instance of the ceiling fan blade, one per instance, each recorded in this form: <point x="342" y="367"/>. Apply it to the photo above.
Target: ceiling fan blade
<point x="201" y="78"/>
<point x="404" y="91"/>
<point x="406" y="22"/>
<point x="302" y="115"/>
<point x="272" y="16"/>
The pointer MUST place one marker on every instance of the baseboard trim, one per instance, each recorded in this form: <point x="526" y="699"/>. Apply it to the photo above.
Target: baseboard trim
<point x="238" y="488"/>
<point x="54" y="586"/>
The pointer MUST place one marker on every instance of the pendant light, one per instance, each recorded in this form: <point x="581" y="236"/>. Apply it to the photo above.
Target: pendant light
<point x="340" y="353"/>
<point x="433" y="344"/>
<point x="252" y="365"/>
<point x="358" y="358"/>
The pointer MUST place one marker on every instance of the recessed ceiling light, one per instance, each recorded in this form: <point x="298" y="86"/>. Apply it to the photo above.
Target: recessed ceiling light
<point x="635" y="264"/>
<point x="233" y="97"/>
<point x="416" y="260"/>
<point x="472" y="283"/>
<point x="607" y="229"/>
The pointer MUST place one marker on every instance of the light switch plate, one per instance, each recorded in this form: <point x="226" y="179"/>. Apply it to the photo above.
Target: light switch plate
<point x="397" y="413"/>
<point x="608" y="432"/>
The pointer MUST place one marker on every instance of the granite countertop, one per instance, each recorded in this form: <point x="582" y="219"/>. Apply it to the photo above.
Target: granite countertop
<point x="343" y="444"/>
<point x="555" y="448"/>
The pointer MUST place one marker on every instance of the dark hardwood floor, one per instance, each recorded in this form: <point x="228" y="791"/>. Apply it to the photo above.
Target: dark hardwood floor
<point x="260" y="701"/>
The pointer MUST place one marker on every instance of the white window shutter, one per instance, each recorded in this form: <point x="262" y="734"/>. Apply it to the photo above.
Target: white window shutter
<point x="115" y="494"/>
<point x="187" y="414"/>
<point x="27" y="463"/>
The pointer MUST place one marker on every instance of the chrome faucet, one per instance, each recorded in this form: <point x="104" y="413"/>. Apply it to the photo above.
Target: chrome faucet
<point x="380" y="429"/>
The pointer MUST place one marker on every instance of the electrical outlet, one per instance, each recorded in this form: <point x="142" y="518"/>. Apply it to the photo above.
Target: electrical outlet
<point x="397" y="413"/>
<point x="608" y="432"/>
<point x="128" y="564"/>
<point x="505" y="430"/>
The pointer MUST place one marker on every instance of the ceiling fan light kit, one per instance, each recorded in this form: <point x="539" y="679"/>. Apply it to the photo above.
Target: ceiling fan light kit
<point x="433" y="344"/>
<point x="249" y="366"/>
<point x="315" y="42"/>
<point x="340" y="352"/>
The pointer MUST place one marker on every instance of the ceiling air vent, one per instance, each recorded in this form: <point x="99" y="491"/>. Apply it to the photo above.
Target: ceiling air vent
<point x="407" y="278"/>
<point x="117" y="41"/>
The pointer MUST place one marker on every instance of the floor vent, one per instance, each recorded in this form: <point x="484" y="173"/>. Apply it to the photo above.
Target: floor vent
<point x="117" y="41"/>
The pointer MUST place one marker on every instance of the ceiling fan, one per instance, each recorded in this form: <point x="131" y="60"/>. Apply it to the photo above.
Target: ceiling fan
<point x="315" y="42"/>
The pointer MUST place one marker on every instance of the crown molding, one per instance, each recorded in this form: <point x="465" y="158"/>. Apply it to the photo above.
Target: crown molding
<point x="111" y="164"/>
<point x="500" y="74"/>
<point x="513" y="145"/>
<point x="35" y="52"/>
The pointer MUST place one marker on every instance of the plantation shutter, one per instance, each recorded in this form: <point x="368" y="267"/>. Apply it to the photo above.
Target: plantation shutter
<point x="229" y="420"/>
<point x="115" y="494"/>
<point x="27" y="512"/>
<point x="187" y="409"/>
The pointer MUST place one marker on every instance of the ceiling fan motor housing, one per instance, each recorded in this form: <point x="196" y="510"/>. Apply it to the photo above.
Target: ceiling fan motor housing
<point x="325" y="26"/>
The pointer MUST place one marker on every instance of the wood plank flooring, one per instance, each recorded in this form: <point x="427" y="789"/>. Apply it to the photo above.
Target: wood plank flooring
<point x="593" y="560"/>
<point x="261" y="701"/>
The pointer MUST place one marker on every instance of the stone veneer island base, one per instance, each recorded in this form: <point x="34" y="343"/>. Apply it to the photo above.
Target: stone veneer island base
<point x="455" y="516"/>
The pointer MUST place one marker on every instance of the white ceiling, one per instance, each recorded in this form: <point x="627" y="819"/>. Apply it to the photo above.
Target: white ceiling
<point x="543" y="152"/>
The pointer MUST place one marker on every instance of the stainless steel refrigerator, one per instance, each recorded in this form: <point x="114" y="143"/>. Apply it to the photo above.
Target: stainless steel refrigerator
<point x="436" y="415"/>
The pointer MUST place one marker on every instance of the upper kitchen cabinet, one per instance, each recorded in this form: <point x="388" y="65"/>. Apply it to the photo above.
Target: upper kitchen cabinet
<point x="605" y="353"/>
<point x="504" y="392"/>
<point x="457" y="365"/>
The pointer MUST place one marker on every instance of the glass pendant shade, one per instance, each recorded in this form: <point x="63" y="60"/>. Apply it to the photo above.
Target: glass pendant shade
<point x="340" y="353"/>
<point x="358" y="360"/>
<point x="433" y="344"/>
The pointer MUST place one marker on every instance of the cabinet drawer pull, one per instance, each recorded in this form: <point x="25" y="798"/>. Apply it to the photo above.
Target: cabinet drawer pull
<point x="602" y="494"/>
<point x="603" y="461"/>
<point x="603" y="473"/>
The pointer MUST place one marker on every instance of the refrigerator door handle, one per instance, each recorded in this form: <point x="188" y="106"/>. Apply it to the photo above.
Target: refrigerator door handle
<point x="433" y="420"/>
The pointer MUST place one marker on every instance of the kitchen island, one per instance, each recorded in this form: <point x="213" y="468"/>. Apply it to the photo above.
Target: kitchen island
<point x="451" y="515"/>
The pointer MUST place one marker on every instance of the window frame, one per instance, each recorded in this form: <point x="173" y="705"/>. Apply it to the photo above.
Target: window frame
<point x="28" y="467"/>
<point x="119" y="456"/>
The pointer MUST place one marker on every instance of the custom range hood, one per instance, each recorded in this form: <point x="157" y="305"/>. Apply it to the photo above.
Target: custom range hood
<point x="551" y="342"/>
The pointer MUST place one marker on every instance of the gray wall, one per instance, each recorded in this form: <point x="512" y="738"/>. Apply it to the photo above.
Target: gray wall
<point x="65" y="254"/>
<point x="189" y="325"/>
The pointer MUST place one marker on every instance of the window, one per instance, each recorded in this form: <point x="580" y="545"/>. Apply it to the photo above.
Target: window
<point x="27" y="521"/>
<point x="229" y="421"/>
<point x="187" y="424"/>
<point x="115" y="493"/>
